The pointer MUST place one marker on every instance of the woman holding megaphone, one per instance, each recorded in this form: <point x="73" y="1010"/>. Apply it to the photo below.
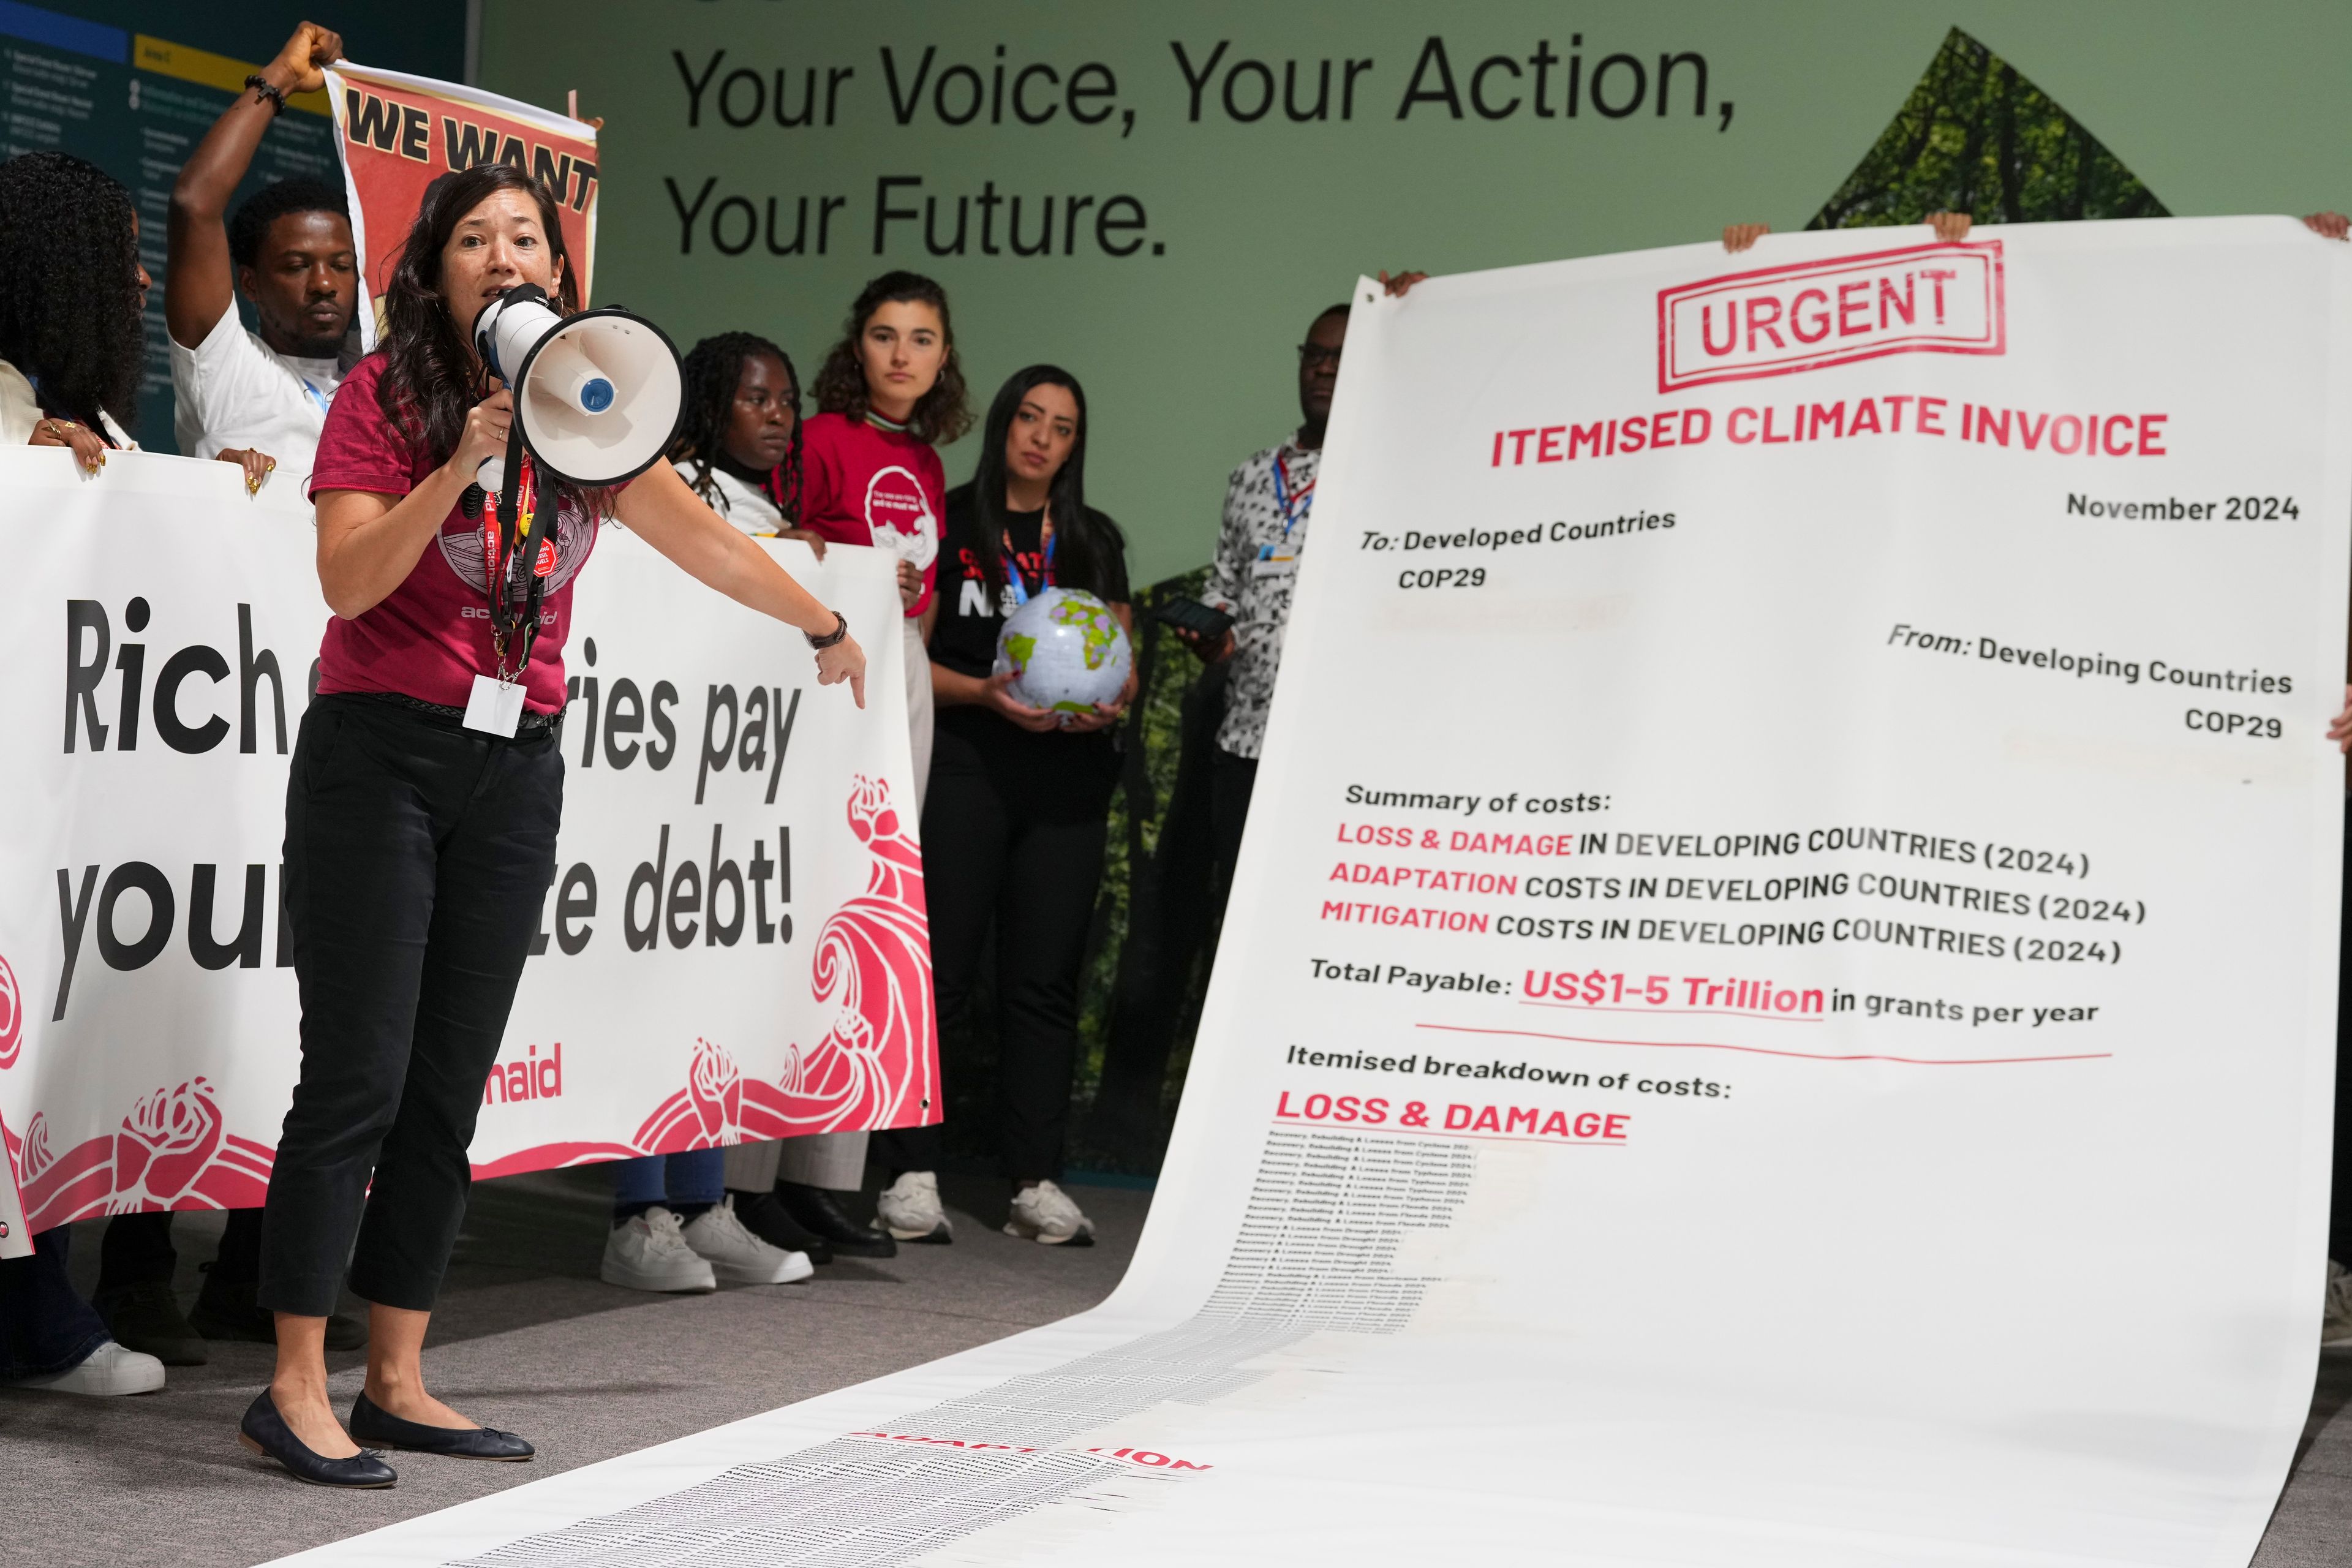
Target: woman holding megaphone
<point x="422" y="809"/>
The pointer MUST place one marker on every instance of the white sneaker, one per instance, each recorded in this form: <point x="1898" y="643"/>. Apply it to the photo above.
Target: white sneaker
<point x="1045" y="1213"/>
<point x="108" y="1370"/>
<point x="2336" y="1327"/>
<point x="738" y="1257"/>
<point x="908" y="1209"/>
<point x="649" y="1253"/>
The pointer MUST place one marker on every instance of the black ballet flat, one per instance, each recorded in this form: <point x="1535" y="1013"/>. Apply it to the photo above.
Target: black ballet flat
<point x="370" y="1423"/>
<point x="265" y="1432"/>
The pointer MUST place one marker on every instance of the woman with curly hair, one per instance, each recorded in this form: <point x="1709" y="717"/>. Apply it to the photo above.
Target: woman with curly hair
<point x="888" y="390"/>
<point x="739" y="437"/>
<point x="71" y="295"/>
<point x="422" y="808"/>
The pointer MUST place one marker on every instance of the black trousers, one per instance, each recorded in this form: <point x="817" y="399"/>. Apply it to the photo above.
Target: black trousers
<point x="2339" y="1215"/>
<point x="1021" y="848"/>
<point x="417" y="855"/>
<point x="137" y="1250"/>
<point x="1233" y="779"/>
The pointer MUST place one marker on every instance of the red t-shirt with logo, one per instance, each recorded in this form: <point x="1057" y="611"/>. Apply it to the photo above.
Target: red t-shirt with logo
<point x="861" y="484"/>
<point x="431" y="635"/>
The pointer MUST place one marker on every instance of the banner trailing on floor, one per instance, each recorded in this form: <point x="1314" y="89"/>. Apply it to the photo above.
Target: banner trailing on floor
<point x="396" y="134"/>
<point x="734" y="946"/>
<point x="1795" y="870"/>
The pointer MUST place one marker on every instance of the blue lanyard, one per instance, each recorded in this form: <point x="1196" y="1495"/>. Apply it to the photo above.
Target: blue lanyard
<point x="1292" y="515"/>
<point x="1018" y="581"/>
<point x="316" y="396"/>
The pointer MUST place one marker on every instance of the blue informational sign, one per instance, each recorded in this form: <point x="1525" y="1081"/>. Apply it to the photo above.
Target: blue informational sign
<point x="135" y="87"/>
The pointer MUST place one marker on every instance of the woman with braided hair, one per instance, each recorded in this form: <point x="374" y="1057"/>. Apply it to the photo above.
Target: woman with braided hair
<point x="71" y="294"/>
<point x="739" y="438"/>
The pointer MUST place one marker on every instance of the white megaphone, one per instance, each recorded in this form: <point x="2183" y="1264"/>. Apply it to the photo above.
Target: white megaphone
<point x="596" y="395"/>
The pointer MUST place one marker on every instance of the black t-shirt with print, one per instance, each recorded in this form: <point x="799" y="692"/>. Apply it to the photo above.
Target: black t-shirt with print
<point x="972" y="613"/>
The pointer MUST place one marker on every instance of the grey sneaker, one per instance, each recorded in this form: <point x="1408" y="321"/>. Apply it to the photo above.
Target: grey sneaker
<point x="649" y="1253"/>
<point x="1045" y="1214"/>
<point x="908" y="1210"/>
<point x="738" y="1257"/>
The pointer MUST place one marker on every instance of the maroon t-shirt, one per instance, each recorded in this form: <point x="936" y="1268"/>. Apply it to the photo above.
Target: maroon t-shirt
<point x="864" y="485"/>
<point x="431" y="635"/>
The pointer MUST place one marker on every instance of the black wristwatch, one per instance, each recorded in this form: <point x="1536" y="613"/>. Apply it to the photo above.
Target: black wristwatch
<point x="840" y="630"/>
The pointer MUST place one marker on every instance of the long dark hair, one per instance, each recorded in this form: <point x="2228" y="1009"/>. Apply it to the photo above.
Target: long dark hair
<point x="1087" y="545"/>
<point x="70" y="286"/>
<point x="713" y="369"/>
<point x="429" y="383"/>
<point x="941" y="413"/>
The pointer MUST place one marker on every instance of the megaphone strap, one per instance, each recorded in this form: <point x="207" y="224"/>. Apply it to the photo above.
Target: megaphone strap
<point x="518" y="507"/>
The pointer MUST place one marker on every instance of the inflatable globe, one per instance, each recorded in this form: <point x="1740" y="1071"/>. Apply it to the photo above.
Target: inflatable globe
<point x="1067" y="651"/>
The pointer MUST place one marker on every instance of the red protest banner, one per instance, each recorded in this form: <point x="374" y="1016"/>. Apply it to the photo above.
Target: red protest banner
<point x="396" y="134"/>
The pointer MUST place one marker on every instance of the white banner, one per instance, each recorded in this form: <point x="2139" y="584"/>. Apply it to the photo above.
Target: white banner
<point x="1779" y="1003"/>
<point x="734" y="946"/>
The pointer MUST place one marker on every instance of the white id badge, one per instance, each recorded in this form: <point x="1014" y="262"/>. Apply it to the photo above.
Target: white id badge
<point x="495" y="708"/>
<point x="1276" y="566"/>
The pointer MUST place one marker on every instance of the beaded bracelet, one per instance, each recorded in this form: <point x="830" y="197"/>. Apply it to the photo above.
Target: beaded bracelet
<point x="268" y="93"/>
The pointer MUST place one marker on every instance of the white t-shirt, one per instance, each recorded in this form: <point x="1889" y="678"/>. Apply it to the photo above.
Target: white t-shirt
<point x="744" y="505"/>
<point x="234" y="390"/>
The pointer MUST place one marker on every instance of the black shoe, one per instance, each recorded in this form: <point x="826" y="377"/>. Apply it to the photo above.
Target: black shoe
<point x="226" y="1312"/>
<point x="816" y="1209"/>
<point x="265" y="1432"/>
<point x="146" y="1318"/>
<point x="370" y="1423"/>
<point x="769" y="1220"/>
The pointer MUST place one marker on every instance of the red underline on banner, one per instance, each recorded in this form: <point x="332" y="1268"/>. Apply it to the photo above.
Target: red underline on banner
<point x="1685" y="1012"/>
<point x="1360" y="1129"/>
<point x="1763" y="1051"/>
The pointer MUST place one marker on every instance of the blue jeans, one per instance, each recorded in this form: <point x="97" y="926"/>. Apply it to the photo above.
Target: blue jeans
<point x="695" y="1176"/>
<point x="44" y="1325"/>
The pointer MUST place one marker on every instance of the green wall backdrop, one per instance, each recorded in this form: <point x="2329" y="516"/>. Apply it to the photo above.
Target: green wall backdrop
<point x="1237" y="230"/>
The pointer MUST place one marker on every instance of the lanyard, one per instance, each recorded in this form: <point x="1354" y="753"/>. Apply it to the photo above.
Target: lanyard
<point x="1294" y="508"/>
<point x="500" y="551"/>
<point x="1019" y="580"/>
<point x="316" y="396"/>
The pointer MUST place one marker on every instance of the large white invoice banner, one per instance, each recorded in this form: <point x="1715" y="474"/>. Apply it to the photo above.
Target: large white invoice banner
<point x="1778" y="1004"/>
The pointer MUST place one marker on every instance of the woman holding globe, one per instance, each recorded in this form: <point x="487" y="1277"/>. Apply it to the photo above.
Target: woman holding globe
<point x="1014" y="829"/>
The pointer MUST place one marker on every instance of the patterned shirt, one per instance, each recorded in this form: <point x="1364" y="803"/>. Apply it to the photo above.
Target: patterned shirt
<point x="1266" y="505"/>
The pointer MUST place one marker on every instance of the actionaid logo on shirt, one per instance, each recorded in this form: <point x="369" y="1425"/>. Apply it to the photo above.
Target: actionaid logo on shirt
<point x="1927" y="299"/>
<point x="901" y="517"/>
<point x="575" y="530"/>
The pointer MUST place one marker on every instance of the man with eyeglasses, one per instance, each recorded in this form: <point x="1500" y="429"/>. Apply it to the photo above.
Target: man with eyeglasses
<point x="1269" y="501"/>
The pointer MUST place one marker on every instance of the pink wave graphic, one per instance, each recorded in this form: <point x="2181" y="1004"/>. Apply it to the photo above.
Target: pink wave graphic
<point x="876" y="1066"/>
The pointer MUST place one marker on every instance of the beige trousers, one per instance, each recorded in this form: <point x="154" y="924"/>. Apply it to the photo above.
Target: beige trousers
<point x="833" y="1159"/>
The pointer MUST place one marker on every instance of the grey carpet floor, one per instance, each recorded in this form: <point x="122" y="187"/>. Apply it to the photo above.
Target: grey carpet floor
<point x="529" y="1339"/>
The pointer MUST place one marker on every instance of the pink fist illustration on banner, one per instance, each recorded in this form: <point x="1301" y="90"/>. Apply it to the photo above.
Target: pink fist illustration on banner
<point x="716" y="1092"/>
<point x="164" y="1145"/>
<point x="171" y="1152"/>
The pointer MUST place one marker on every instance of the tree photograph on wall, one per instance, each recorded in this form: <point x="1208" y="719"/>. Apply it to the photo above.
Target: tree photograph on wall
<point x="1977" y="137"/>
